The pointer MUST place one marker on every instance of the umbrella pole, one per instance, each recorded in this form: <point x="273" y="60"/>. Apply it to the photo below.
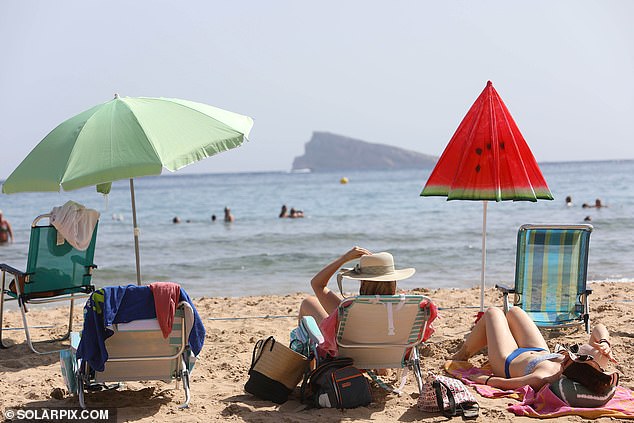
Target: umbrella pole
<point x="484" y="253"/>
<point x="136" y="234"/>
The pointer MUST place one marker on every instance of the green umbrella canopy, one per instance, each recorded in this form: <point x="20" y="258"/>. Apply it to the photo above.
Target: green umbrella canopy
<point x="123" y="139"/>
<point x="126" y="138"/>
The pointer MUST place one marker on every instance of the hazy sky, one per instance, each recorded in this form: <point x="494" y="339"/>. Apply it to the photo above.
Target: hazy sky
<point x="402" y="73"/>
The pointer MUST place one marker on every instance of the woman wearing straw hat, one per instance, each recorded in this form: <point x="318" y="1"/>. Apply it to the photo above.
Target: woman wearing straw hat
<point x="377" y="275"/>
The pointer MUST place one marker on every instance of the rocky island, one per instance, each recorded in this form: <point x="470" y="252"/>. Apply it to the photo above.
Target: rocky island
<point x="326" y="152"/>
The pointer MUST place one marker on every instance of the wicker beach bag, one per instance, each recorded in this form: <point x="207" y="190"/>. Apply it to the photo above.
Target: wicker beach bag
<point x="275" y="370"/>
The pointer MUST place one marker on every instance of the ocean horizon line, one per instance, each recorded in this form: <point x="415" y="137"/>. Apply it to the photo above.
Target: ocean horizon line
<point x="186" y="173"/>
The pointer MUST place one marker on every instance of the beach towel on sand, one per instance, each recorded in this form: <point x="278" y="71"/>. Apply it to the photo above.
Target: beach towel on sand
<point x="543" y="403"/>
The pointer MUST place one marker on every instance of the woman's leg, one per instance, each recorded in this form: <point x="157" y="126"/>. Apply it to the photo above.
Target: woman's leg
<point x="312" y="307"/>
<point x="491" y="331"/>
<point x="524" y="330"/>
<point x="500" y="340"/>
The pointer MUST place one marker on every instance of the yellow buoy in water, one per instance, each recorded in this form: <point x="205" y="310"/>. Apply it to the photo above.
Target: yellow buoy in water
<point x="343" y="180"/>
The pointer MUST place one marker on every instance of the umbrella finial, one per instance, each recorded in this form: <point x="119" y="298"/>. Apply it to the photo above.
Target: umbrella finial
<point x="488" y="83"/>
<point x="116" y="96"/>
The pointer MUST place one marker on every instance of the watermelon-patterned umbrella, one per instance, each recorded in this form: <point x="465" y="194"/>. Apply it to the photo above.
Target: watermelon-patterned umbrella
<point x="487" y="159"/>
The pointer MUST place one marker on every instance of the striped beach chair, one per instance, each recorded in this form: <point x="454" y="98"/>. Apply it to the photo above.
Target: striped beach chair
<point x="137" y="351"/>
<point x="383" y="332"/>
<point x="550" y="275"/>
<point x="55" y="271"/>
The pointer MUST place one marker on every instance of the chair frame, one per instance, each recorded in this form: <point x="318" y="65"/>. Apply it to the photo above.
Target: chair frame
<point x="23" y="301"/>
<point x="412" y="361"/>
<point x="83" y="373"/>
<point x="583" y="297"/>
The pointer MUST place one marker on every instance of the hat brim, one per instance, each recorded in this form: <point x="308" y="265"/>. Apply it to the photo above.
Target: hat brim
<point x="397" y="275"/>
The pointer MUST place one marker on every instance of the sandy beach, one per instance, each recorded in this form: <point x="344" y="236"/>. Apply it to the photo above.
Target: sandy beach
<point x="235" y="324"/>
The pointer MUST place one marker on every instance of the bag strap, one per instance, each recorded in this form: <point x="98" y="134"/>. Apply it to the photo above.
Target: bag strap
<point x="451" y="411"/>
<point x="259" y="346"/>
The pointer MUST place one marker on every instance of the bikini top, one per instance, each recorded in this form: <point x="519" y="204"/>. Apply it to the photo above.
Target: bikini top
<point x="535" y="361"/>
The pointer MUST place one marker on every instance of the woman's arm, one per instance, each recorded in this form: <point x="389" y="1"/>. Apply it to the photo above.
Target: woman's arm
<point x="600" y="340"/>
<point x="329" y="299"/>
<point x="536" y="380"/>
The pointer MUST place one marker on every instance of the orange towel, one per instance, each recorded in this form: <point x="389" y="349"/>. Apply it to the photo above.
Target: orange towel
<point x="166" y="297"/>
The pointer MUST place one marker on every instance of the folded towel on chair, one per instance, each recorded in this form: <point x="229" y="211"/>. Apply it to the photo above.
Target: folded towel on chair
<point x="75" y="223"/>
<point x="166" y="296"/>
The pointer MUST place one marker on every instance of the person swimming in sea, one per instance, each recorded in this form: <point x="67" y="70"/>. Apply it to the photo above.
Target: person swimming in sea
<point x="228" y="216"/>
<point x="296" y="213"/>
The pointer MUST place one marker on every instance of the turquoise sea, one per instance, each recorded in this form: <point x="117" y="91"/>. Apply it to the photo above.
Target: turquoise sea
<point x="380" y="210"/>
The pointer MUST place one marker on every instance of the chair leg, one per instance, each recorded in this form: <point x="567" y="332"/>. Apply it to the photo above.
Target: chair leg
<point x="586" y="315"/>
<point x="185" y="377"/>
<point x="417" y="370"/>
<point x="2" y="346"/>
<point x="28" y="333"/>
<point x="70" y="322"/>
<point x="506" y="305"/>
<point x="80" y="383"/>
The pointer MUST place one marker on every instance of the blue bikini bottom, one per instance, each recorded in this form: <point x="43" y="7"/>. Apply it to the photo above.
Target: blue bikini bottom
<point x="514" y="354"/>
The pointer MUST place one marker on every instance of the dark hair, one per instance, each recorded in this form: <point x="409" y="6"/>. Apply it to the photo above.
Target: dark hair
<point x="377" y="288"/>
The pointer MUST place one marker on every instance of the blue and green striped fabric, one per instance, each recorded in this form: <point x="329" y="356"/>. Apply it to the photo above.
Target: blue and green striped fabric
<point x="551" y="272"/>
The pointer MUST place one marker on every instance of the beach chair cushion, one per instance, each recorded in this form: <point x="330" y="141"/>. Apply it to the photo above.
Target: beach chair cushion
<point x="142" y="338"/>
<point x="380" y="331"/>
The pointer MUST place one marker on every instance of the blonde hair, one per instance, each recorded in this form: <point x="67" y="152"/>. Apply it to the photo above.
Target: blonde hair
<point x="377" y="288"/>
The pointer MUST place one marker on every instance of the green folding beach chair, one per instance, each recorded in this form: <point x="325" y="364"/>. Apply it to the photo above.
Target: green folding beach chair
<point x="55" y="271"/>
<point x="550" y="275"/>
<point x="383" y="332"/>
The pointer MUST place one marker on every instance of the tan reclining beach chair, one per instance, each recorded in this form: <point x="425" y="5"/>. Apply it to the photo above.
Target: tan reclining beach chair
<point x="384" y="331"/>
<point x="137" y="351"/>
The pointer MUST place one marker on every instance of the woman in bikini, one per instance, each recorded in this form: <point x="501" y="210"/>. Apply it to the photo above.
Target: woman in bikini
<point x="518" y="353"/>
<point x="6" y="232"/>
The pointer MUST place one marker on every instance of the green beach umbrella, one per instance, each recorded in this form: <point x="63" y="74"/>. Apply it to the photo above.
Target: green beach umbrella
<point x="126" y="138"/>
<point x="487" y="159"/>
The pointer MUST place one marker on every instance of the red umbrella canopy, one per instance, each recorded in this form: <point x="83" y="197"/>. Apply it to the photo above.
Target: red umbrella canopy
<point x="487" y="158"/>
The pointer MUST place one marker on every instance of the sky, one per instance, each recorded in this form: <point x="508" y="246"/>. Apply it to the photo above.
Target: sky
<point x="402" y="73"/>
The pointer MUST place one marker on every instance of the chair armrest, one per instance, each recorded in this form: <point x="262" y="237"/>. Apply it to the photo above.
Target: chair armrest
<point x="588" y="291"/>
<point x="505" y="289"/>
<point x="11" y="270"/>
<point x="309" y="325"/>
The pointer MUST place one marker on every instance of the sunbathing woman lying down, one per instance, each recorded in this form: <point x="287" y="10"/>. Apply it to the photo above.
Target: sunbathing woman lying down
<point x="518" y="353"/>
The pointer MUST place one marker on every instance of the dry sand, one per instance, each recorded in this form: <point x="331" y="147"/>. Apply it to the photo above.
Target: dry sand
<point x="27" y="379"/>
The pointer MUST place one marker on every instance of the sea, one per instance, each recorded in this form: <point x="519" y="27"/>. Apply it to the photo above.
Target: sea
<point x="260" y="253"/>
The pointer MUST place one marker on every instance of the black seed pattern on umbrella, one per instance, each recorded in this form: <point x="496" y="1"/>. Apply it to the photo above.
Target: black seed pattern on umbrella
<point x="478" y="168"/>
<point x="478" y="151"/>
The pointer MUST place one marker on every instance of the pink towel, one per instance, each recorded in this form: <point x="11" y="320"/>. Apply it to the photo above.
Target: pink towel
<point x="166" y="297"/>
<point x="544" y="403"/>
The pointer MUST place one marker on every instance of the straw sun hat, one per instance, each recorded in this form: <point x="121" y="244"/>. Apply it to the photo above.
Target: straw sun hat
<point x="377" y="267"/>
